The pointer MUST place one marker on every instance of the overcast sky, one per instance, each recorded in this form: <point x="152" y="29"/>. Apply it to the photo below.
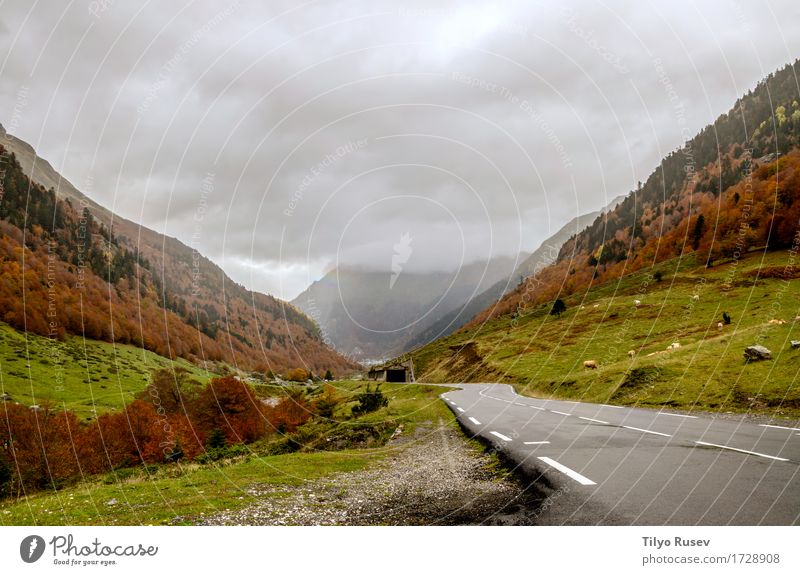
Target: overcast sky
<point x="283" y="138"/>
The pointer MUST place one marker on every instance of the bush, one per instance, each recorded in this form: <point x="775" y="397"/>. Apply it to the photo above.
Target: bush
<point x="658" y="276"/>
<point x="297" y="374"/>
<point x="369" y="401"/>
<point x="326" y="404"/>
<point x="558" y="308"/>
<point x="329" y="375"/>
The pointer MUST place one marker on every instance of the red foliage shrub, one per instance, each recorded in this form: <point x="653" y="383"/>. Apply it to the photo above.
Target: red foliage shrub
<point x="232" y="407"/>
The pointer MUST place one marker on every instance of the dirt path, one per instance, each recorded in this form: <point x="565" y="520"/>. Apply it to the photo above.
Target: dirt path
<point x="434" y="478"/>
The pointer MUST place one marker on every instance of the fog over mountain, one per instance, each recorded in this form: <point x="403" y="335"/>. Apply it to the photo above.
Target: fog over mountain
<point x="331" y="130"/>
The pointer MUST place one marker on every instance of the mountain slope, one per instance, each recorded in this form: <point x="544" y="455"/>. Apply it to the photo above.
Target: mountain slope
<point x="134" y="284"/>
<point x="366" y="316"/>
<point x="543" y="256"/>
<point x="719" y="195"/>
<point x="709" y="232"/>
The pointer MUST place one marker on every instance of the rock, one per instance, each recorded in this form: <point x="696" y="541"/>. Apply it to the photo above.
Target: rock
<point x="795" y="344"/>
<point x="111" y="502"/>
<point x="757" y="353"/>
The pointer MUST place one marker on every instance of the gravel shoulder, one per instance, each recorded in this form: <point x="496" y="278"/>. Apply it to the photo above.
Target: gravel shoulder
<point x="435" y="477"/>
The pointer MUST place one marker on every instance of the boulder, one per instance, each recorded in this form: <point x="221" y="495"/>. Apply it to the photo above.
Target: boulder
<point x="757" y="353"/>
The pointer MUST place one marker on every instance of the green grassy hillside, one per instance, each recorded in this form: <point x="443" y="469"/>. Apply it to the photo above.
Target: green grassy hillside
<point x="86" y="376"/>
<point x="183" y="492"/>
<point x="543" y="355"/>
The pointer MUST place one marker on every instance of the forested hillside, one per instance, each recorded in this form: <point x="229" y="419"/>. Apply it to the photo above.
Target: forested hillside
<point x="71" y="267"/>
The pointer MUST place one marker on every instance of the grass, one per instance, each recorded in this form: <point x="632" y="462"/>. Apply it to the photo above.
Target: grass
<point x="86" y="376"/>
<point x="180" y="493"/>
<point x="543" y="355"/>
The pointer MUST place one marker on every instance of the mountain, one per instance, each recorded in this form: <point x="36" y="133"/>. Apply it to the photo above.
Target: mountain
<point x="543" y="256"/>
<point x="369" y="315"/>
<point x="71" y="266"/>
<point x="729" y="194"/>
<point x="695" y="201"/>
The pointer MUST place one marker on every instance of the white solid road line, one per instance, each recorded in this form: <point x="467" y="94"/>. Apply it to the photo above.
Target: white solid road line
<point x="560" y="412"/>
<point x="614" y="406"/>
<point x="500" y="435"/>
<point x="567" y="471"/>
<point x="535" y="442"/>
<point x="780" y="427"/>
<point x="594" y="420"/>
<point x="742" y="451"/>
<point x="460" y="409"/>
<point x="646" y="431"/>
<point x="475" y="421"/>
<point x="677" y="415"/>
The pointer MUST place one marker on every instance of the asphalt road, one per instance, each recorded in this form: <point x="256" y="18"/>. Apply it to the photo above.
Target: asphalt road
<point x="607" y="465"/>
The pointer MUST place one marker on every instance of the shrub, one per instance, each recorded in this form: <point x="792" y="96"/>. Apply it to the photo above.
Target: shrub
<point x="658" y="276"/>
<point x="370" y="400"/>
<point x="231" y="406"/>
<point x="329" y="375"/>
<point x="297" y="374"/>
<point x="326" y="404"/>
<point x="558" y="308"/>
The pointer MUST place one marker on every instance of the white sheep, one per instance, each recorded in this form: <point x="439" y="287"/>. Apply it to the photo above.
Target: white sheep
<point x="720" y="325"/>
<point x="637" y="302"/>
<point x="674" y="345"/>
<point x="631" y="354"/>
<point x="695" y="297"/>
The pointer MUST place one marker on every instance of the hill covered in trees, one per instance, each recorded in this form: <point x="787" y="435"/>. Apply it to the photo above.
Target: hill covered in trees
<point x="701" y="255"/>
<point x="70" y="266"/>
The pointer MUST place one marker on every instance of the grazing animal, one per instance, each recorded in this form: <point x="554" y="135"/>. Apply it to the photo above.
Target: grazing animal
<point x="597" y="305"/>
<point x="590" y="364"/>
<point x="631" y="353"/>
<point x="776" y="322"/>
<point x="695" y="297"/>
<point x="637" y="302"/>
<point x="674" y="345"/>
<point x="720" y="325"/>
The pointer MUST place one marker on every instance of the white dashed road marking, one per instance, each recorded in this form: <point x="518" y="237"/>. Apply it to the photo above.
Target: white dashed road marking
<point x="539" y="408"/>
<point x="500" y="435"/>
<point x="475" y="421"/>
<point x="677" y="415"/>
<point x="646" y="431"/>
<point x="594" y="420"/>
<point x="535" y="442"/>
<point x="460" y="409"/>
<point x="742" y="451"/>
<point x="560" y="412"/>
<point x="568" y="472"/>
<point x="614" y="406"/>
<point x="780" y="427"/>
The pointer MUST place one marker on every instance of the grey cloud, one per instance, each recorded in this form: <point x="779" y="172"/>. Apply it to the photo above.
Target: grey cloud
<point x="154" y="99"/>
